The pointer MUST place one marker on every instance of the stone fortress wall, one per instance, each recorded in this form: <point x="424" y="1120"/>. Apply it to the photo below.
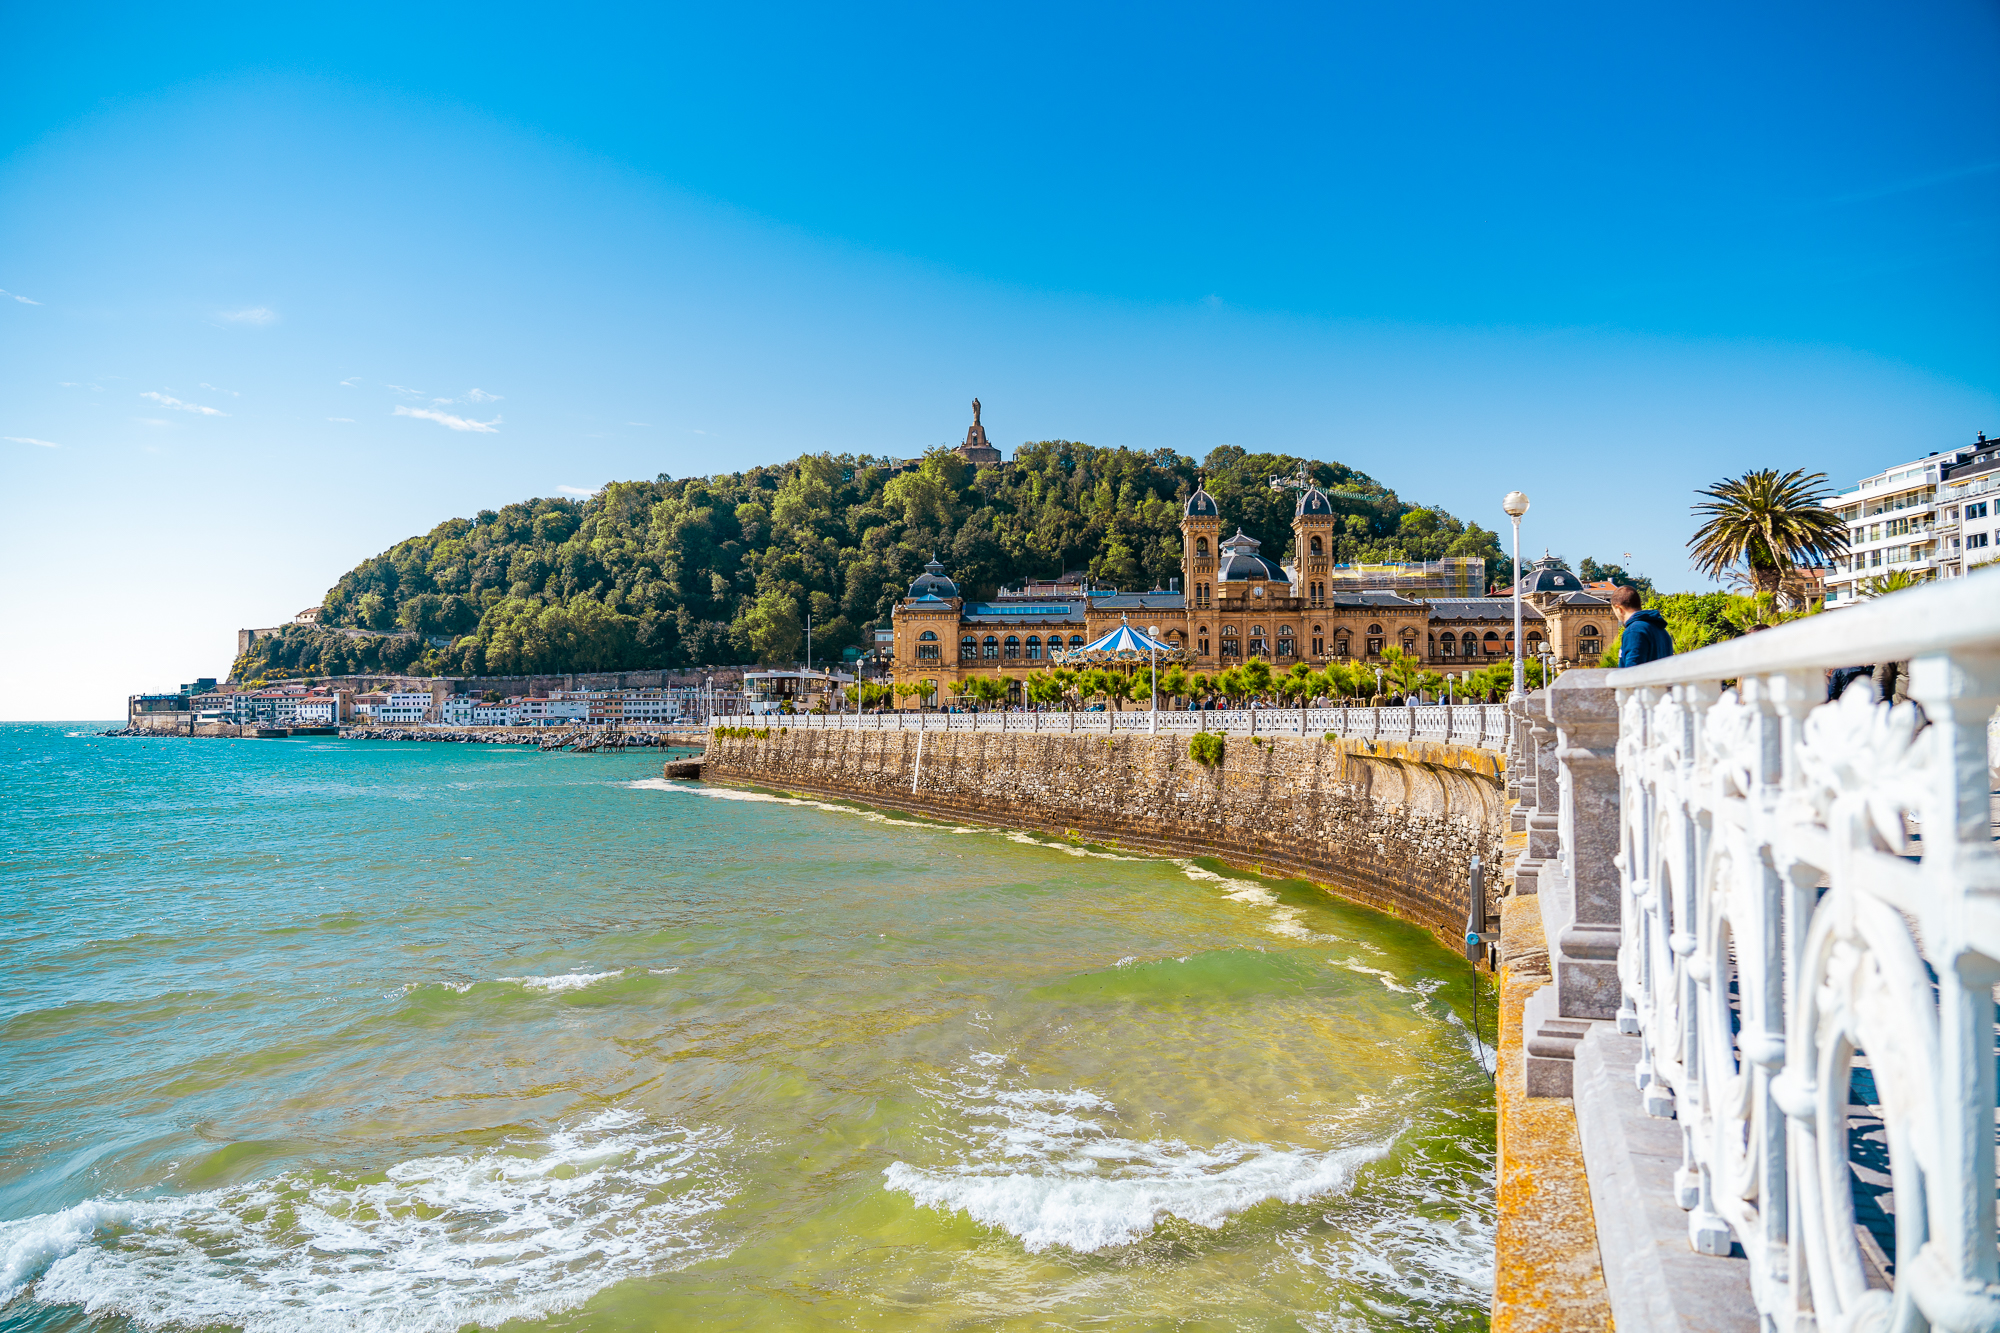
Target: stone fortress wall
<point x="1392" y="826"/>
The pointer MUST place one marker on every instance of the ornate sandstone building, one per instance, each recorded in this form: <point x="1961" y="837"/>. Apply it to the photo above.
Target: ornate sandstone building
<point x="1232" y="603"/>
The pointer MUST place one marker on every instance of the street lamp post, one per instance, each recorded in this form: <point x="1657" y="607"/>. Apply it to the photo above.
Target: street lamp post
<point x="1516" y="504"/>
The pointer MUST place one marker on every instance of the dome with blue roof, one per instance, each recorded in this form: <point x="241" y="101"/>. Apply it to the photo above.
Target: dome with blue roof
<point x="1201" y="504"/>
<point x="1240" y="562"/>
<point x="1313" y="503"/>
<point x="933" y="583"/>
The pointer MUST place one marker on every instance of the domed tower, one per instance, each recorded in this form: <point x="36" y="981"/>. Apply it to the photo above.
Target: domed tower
<point x="1201" y="541"/>
<point x="1312" y="546"/>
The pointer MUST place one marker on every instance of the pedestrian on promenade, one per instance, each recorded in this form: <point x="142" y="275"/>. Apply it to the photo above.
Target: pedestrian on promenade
<point x="1646" y="638"/>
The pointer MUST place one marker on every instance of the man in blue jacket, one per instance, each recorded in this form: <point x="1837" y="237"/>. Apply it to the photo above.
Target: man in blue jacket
<point x="1645" y="638"/>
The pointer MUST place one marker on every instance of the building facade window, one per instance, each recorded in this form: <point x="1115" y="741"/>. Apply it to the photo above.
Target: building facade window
<point x="928" y="648"/>
<point x="968" y="648"/>
<point x="1257" y="645"/>
<point x="1492" y="644"/>
<point x="1034" y="647"/>
<point x="1232" y="646"/>
<point x="1013" y="647"/>
<point x="1974" y="541"/>
<point x="1076" y="641"/>
<point x="1200" y="546"/>
<point x="991" y="647"/>
<point x="1287" y="645"/>
<point x="1340" y="644"/>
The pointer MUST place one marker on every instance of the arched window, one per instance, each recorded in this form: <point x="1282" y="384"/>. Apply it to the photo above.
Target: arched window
<point x="991" y="647"/>
<point x="1034" y="647"/>
<point x="1534" y="636"/>
<point x="1587" y="632"/>
<point x="1492" y="643"/>
<point x="1232" y="645"/>
<point x="1076" y="641"/>
<point x="1201" y="546"/>
<point x="1318" y="547"/>
<point x="1374" y="629"/>
<point x="1287" y="645"/>
<point x="1013" y="646"/>
<point x="1449" y="645"/>
<point x="927" y="637"/>
<point x="1257" y="645"/>
<point x="968" y="648"/>
<point x="928" y="649"/>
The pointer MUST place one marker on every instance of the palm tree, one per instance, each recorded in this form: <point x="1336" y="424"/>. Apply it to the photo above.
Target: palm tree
<point x="1896" y="580"/>
<point x="1767" y="524"/>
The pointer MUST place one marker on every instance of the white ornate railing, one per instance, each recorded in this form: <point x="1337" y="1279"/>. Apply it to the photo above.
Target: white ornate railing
<point x="1481" y="725"/>
<point x="1806" y="901"/>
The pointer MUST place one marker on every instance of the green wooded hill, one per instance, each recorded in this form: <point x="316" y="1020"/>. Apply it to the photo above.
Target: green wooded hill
<point x="724" y="569"/>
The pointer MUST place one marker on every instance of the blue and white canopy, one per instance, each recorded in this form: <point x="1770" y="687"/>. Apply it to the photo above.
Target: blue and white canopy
<point x="1123" y="644"/>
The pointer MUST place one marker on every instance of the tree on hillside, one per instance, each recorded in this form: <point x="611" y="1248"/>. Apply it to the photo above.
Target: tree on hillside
<point x="1592" y="572"/>
<point x="719" y="569"/>
<point x="1761" y="525"/>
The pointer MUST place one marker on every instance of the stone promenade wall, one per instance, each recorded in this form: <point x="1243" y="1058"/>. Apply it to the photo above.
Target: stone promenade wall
<point x="1390" y="825"/>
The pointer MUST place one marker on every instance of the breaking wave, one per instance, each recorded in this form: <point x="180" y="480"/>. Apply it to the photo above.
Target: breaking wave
<point x="510" y="1232"/>
<point x="1045" y="1168"/>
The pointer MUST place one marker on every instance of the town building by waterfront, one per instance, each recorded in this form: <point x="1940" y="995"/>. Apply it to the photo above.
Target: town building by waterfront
<point x="1232" y="603"/>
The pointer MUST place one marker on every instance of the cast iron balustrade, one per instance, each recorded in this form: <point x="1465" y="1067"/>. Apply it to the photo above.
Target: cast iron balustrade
<point x="1481" y="726"/>
<point x="1808" y="912"/>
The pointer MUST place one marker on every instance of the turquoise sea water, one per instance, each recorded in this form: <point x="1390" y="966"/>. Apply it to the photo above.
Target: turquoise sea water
<point x="322" y="1034"/>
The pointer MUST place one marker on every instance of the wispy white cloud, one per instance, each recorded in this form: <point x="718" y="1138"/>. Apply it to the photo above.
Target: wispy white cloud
<point x="481" y="396"/>
<point x="29" y="439"/>
<point x="579" y="490"/>
<point x="448" y="420"/>
<point x="639" y="423"/>
<point x="350" y="381"/>
<point x="441" y="402"/>
<point x="152" y="421"/>
<point x="168" y="400"/>
<point x="18" y="297"/>
<point x="256" y="314"/>
<point x="216" y="389"/>
<point x="72" y="384"/>
<point x="348" y="420"/>
<point x="407" y="393"/>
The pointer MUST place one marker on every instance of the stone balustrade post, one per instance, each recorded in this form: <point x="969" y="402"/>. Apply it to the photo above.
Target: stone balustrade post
<point x="1584" y="712"/>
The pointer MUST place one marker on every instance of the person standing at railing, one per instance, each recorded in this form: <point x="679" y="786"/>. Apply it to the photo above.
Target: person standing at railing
<point x="1646" y="638"/>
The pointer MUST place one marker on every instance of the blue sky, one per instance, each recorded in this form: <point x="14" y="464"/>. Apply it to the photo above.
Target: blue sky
<point x="1605" y="254"/>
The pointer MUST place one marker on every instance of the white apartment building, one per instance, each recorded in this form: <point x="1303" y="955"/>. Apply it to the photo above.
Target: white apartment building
<point x="1890" y="526"/>
<point x="1968" y="526"/>
<point x="1931" y="517"/>
<point x="403" y="708"/>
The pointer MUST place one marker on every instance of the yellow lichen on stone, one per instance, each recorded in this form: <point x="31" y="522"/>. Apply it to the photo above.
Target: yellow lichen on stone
<point x="1548" y="1275"/>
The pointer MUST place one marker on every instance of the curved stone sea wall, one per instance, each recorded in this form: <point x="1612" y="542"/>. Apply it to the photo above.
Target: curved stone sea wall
<point x="1390" y="825"/>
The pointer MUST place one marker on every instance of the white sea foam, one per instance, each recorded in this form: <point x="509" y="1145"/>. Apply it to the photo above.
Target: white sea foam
<point x="1281" y="920"/>
<point x="1044" y="1170"/>
<point x="514" y="1232"/>
<point x="733" y="794"/>
<point x="1386" y="978"/>
<point x="563" y="981"/>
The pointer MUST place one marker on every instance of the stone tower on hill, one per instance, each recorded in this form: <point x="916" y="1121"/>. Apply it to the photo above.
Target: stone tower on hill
<point x="976" y="450"/>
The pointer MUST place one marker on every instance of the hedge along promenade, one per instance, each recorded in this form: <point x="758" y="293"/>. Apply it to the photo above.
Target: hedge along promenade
<point x="1390" y="825"/>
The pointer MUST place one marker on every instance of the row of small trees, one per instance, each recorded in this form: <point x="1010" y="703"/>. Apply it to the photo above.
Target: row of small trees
<point x="1400" y="674"/>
